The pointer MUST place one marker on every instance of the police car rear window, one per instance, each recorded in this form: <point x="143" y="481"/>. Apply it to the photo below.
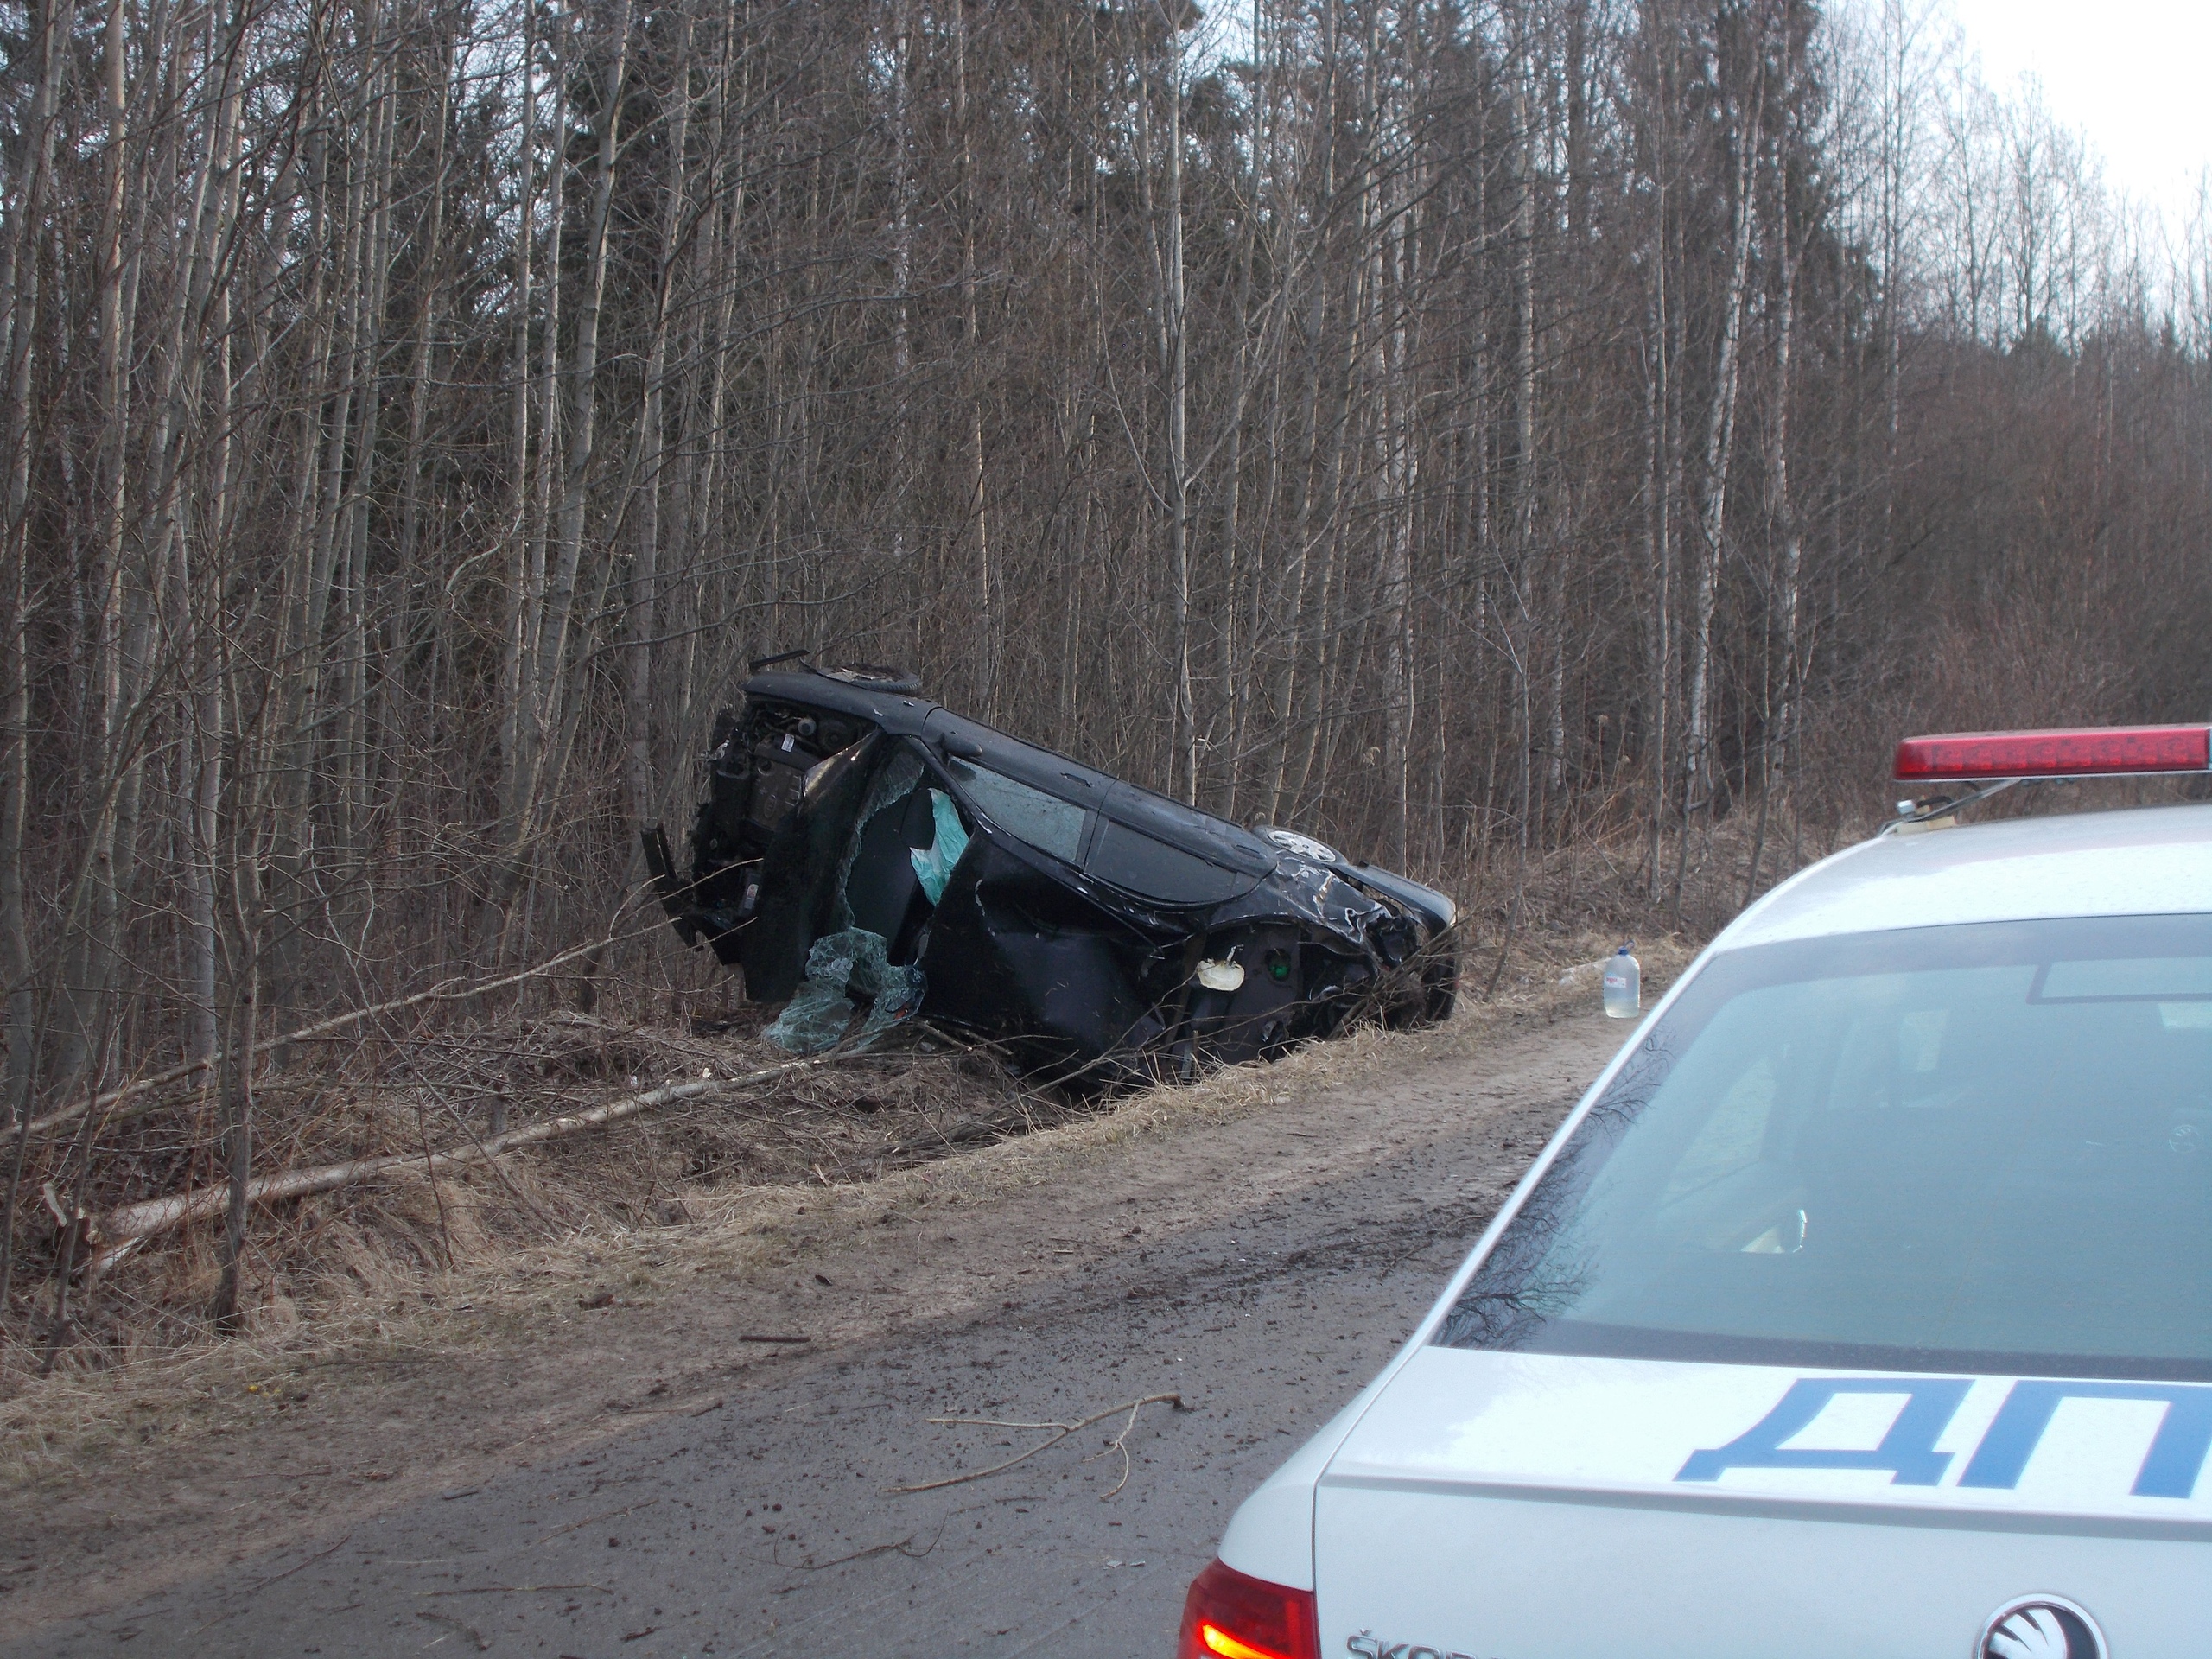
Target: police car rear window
<point x="1984" y="1148"/>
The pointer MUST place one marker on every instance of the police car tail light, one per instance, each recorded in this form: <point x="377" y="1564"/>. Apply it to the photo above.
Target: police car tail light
<point x="1231" y="1615"/>
<point x="2080" y="751"/>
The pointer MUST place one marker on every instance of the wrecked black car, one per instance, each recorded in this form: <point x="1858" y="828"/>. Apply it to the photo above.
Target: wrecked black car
<point x="859" y="843"/>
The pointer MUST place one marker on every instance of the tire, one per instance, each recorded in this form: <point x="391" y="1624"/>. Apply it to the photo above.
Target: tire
<point x="875" y="677"/>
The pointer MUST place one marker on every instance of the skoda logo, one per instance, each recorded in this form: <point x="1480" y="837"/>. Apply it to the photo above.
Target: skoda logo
<point x="2041" y="1627"/>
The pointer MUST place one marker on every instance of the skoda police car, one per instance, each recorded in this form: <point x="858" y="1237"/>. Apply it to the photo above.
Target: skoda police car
<point x="1863" y="1307"/>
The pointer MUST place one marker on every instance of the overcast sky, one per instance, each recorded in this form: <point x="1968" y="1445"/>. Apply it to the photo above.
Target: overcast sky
<point x="2131" y="74"/>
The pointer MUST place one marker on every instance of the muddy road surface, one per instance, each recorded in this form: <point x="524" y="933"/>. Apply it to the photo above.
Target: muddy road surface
<point x="725" y="1496"/>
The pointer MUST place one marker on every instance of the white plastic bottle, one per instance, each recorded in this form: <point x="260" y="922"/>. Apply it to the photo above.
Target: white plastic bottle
<point x="1624" y="982"/>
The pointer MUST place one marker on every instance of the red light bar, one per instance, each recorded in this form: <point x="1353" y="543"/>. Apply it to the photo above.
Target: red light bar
<point x="2082" y="752"/>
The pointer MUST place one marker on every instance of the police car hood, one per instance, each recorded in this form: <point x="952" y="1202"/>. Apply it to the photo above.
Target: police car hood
<point x="1512" y="1505"/>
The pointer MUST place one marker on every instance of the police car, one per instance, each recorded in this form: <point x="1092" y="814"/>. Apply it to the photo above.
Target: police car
<point x="1863" y="1307"/>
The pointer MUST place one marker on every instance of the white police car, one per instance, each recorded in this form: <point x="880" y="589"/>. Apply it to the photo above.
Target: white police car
<point x="1864" y="1306"/>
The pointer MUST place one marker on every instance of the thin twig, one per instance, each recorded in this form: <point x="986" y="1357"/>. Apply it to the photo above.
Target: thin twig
<point x="903" y="1546"/>
<point x="1506" y="948"/>
<point x="607" y="1515"/>
<point x="255" y="1589"/>
<point x="1119" y="1443"/>
<point x="511" y="1590"/>
<point x="444" y="991"/>
<point x="1063" y="1430"/>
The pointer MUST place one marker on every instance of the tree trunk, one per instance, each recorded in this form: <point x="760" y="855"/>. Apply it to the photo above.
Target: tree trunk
<point x="645" y="574"/>
<point x="1719" y="439"/>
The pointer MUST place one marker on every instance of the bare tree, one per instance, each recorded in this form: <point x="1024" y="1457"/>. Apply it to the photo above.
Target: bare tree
<point x="1462" y="431"/>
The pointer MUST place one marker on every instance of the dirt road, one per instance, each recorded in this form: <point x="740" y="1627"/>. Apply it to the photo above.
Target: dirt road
<point x="644" y="1480"/>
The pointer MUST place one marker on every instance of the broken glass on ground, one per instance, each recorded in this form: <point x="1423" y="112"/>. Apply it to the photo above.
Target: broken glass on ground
<point x="841" y="966"/>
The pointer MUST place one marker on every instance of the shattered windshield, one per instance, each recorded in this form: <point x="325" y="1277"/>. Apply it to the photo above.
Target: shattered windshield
<point x="1984" y="1148"/>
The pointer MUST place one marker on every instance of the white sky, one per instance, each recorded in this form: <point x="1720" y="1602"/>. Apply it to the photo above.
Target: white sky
<point x="2132" y="76"/>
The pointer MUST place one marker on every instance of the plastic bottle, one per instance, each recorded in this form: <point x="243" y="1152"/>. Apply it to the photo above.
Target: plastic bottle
<point x="1624" y="982"/>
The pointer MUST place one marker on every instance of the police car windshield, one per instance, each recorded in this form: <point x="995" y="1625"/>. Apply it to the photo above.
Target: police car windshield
<point x="1959" y="1148"/>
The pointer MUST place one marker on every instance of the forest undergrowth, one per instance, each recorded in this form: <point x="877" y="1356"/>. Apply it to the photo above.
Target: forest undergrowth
<point x="332" y="1269"/>
<point x="1476" y="436"/>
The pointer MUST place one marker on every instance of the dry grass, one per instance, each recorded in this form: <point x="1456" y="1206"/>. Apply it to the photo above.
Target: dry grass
<point x="914" y="1102"/>
<point x="405" y="1268"/>
<point x="367" y="1287"/>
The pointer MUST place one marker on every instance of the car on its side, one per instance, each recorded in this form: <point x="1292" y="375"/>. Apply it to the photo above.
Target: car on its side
<point x="1863" y="1307"/>
<point x="857" y="839"/>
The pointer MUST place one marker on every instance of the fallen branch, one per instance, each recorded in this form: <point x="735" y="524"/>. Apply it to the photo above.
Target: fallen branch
<point x="122" y="1230"/>
<point x="604" y="1515"/>
<point x="445" y="991"/>
<point x="255" y="1589"/>
<point x="1062" y="1430"/>
<point x="1121" y="1443"/>
<point x="903" y="1547"/>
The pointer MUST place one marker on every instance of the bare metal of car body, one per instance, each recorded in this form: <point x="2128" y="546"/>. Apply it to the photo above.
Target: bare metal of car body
<point x="858" y="839"/>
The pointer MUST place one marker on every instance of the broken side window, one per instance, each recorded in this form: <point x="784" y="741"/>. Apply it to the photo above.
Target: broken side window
<point x="889" y="800"/>
<point x="879" y="904"/>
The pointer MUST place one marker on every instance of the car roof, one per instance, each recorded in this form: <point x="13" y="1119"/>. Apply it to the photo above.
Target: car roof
<point x="2135" y="861"/>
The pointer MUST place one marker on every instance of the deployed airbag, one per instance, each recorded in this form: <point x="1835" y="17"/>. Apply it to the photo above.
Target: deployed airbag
<point x="933" y="864"/>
